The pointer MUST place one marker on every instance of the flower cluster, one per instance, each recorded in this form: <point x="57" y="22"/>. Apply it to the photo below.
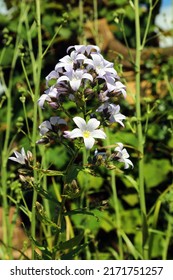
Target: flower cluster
<point x="86" y="78"/>
<point x="87" y="81"/>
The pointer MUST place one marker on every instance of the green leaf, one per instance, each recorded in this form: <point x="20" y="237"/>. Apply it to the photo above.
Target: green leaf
<point x="72" y="173"/>
<point x="80" y="211"/>
<point x="51" y="172"/>
<point x="130" y="182"/>
<point x="131" y="247"/>
<point x="41" y="214"/>
<point x="74" y="252"/>
<point x="131" y="199"/>
<point x="73" y="242"/>
<point x="155" y="172"/>
<point x="88" y="181"/>
<point x="47" y="195"/>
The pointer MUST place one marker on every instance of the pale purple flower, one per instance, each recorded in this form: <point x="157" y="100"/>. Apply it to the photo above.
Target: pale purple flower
<point x="44" y="97"/>
<point x="75" y="77"/>
<point x="88" y="131"/>
<point x="84" y="49"/>
<point x="67" y="62"/>
<point x="115" y="115"/>
<point x="52" y="75"/>
<point x="113" y="112"/>
<point x="113" y="85"/>
<point x="100" y="65"/>
<point x="46" y="126"/>
<point x="50" y="93"/>
<point x="22" y="157"/>
<point x="103" y="96"/>
<point x="123" y="155"/>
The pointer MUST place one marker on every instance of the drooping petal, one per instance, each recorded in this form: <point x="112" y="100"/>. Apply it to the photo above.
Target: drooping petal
<point x="89" y="142"/>
<point x="42" y="99"/>
<point x="63" y="78"/>
<point x="87" y="76"/>
<point x="52" y="75"/>
<point x="75" y="84"/>
<point x="126" y="162"/>
<point x="119" y="147"/>
<point x="45" y="127"/>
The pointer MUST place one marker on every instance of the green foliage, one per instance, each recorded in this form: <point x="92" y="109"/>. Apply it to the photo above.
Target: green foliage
<point x="161" y="167"/>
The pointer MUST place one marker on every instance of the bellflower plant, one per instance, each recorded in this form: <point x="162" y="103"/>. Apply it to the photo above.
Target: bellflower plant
<point x="91" y="83"/>
<point x="82" y="95"/>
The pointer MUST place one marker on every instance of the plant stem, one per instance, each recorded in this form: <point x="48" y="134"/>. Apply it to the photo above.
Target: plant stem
<point x="168" y="238"/>
<point x="95" y="8"/>
<point x="34" y="132"/>
<point x="116" y="205"/>
<point x="81" y="22"/>
<point x="139" y="130"/>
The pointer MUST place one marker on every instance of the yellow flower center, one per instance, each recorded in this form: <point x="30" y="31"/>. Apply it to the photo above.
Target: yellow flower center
<point x="86" y="134"/>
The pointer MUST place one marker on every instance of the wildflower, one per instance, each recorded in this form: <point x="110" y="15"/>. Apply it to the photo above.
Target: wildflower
<point x="115" y="115"/>
<point x="84" y="49"/>
<point x="52" y="75"/>
<point x="86" y="130"/>
<point x="22" y="157"/>
<point x="47" y="126"/>
<point x="51" y="93"/>
<point x="113" y="85"/>
<point x="100" y="65"/>
<point x="113" y="112"/>
<point x="68" y="61"/>
<point x="123" y="155"/>
<point x="74" y="77"/>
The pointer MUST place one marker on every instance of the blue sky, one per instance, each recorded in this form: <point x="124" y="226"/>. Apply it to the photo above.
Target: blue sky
<point x="165" y="21"/>
<point x="166" y="3"/>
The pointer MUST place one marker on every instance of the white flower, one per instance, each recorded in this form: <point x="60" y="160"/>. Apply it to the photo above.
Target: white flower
<point x="22" y="157"/>
<point x="101" y="65"/>
<point x="68" y="61"/>
<point x="74" y="77"/>
<point x="46" y="126"/>
<point x="123" y="155"/>
<point x="115" y="115"/>
<point x="113" y="112"/>
<point x="86" y="130"/>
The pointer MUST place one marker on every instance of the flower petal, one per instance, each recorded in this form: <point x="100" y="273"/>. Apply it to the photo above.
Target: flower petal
<point x="89" y="142"/>
<point x="81" y="123"/>
<point x="98" y="133"/>
<point x="92" y="124"/>
<point x="74" y="133"/>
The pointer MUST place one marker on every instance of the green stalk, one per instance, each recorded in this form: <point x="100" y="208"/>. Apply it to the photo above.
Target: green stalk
<point x="95" y="7"/>
<point x="46" y="202"/>
<point x="116" y="205"/>
<point x="168" y="238"/>
<point x="35" y="114"/>
<point x="139" y="131"/>
<point x="81" y="23"/>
